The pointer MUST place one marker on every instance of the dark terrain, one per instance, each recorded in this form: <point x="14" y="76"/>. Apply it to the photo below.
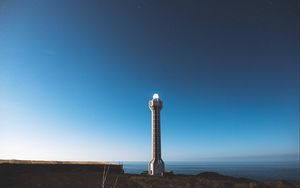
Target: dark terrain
<point x="16" y="174"/>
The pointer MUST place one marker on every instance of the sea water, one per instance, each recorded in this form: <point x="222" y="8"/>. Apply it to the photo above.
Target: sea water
<point x="262" y="171"/>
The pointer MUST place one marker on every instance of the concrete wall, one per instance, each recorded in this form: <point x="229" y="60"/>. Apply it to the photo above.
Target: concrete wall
<point x="56" y="174"/>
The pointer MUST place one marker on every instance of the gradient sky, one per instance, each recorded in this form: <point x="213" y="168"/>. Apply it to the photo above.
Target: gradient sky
<point x="76" y="76"/>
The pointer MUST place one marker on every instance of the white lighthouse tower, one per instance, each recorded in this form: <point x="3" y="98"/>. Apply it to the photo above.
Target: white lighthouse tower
<point x="156" y="165"/>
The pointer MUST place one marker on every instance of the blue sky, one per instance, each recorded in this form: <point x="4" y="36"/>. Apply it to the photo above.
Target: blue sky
<point x="75" y="79"/>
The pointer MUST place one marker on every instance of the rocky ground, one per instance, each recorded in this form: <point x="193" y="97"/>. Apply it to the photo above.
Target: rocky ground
<point x="202" y="180"/>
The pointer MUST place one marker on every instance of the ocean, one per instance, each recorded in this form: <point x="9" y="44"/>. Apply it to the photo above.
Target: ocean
<point x="262" y="171"/>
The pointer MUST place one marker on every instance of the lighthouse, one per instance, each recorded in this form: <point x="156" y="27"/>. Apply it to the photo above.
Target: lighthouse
<point x="156" y="165"/>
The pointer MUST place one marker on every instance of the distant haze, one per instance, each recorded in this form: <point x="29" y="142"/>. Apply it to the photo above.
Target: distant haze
<point x="76" y="77"/>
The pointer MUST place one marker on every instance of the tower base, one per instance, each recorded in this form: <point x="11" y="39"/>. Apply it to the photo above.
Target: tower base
<point x="156" y="167"/>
